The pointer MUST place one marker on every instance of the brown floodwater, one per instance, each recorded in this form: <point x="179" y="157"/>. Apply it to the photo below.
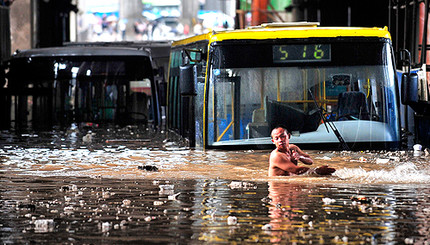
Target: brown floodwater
<point x="88" y="185"/>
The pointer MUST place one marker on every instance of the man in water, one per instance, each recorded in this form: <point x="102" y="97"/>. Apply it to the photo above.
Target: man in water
<point x="284" y="159"/>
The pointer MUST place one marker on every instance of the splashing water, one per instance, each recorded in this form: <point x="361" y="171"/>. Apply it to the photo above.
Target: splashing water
<point x="121" y="154"/>
<point x="407" y="173"/>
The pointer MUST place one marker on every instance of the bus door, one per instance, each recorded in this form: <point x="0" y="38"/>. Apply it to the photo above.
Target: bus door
<point x="226" y="109"/>
<point x="191" y="84"/>
<point x="187" y="93"/>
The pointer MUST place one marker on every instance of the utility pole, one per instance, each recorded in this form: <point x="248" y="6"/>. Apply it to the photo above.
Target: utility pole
<point x="131" y="10"/>
<point x="189" y="12"/>
<point x="259" y="12"/>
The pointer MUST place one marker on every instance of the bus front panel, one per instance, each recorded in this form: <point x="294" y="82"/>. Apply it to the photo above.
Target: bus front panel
<point x="303" y="85"/>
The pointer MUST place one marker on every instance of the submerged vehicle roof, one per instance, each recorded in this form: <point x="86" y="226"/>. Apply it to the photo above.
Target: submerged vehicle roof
<point x="288" y="30"/>
<point x="79" y="51"/>
<point x="158" y="48"/>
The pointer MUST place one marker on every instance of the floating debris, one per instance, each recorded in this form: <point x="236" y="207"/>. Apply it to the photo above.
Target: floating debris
<point x="158" y="203"/>
<point x="417" y="147"/>
<point x="382" y="160"/>
<point x="30" y="207"/>
<point x="240" y="185"/>
<point x="231" y="220"/>
<point x="126" y="202"/>
<point x="106" y="226"/>
<point x="323" y="158"/>
<point x="328" y="201"/>
<point x="43" y="225"/>
<point x="409" y="241"/>
<point x="166" y="189"/>
<point x="69" y="210"/>
<point x="174" y="196"/>
<point x="148" y="168"/>
<point x="361" y="199"/>
<point x="66" y="188"/>
<point x="267" y="227"/>
<point x="266" y="199"/>
<point x="106" y="194"/>
<point x="88" y="138"/>
<point x="123" y="223"/>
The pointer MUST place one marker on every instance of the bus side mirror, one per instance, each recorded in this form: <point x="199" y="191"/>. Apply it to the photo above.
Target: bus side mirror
<point x="409" y="88"/>
<point x="162" y="93"/>
<point x="186" y="80"/>
<point x="2" y="75"/>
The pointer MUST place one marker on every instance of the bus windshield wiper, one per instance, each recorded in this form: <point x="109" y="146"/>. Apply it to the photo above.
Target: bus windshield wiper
<point x="331" y="124"/>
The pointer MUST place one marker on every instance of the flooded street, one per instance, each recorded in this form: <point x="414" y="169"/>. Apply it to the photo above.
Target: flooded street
<point x="88" y="185"/>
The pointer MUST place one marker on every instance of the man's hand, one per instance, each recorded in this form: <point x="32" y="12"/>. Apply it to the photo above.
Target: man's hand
<point x="325" y="170"/>
<point x="295" y="155"/>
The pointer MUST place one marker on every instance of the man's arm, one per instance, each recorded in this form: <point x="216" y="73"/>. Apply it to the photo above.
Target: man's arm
<point x="299" y="155"/>
<point x="305" y="160"/>
<point x="297" y="149"/>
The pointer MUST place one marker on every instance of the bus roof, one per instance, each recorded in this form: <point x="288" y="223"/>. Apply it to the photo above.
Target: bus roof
<point x="281" y="32"/>
<point x="158" y="48"/>
<point x="79" y="51"/>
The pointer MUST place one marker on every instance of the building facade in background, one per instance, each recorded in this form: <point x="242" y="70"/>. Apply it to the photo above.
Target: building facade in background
<point x="137" y="20"/>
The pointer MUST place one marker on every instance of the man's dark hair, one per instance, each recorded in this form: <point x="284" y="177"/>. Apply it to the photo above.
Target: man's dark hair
<point x="280" y="126"/>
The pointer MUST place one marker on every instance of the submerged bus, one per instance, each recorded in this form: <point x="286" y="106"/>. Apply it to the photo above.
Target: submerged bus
<point x="58" y="86"/>
<point x="329" y="87"/>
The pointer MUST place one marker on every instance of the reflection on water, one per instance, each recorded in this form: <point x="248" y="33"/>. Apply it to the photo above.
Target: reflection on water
<point x="92" y="185"/>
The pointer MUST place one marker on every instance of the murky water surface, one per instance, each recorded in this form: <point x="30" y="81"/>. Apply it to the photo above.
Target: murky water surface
<point x="88" y="185"/>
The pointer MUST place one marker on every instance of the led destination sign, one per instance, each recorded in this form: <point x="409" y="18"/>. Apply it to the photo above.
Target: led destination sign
<point x="301" y="53"/>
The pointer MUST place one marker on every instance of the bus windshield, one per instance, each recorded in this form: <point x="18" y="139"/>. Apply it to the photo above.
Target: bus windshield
<point x="300" y="85"/>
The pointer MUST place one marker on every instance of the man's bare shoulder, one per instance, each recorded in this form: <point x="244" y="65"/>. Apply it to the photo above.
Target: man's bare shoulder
<point x="275" y="153"/>
<point x="274" y="168"/>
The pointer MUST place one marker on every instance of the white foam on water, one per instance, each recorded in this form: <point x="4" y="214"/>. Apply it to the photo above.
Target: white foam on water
<point x="406" y="173"/>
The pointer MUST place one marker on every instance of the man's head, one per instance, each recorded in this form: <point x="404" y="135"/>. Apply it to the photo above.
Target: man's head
<point x="281" y="138"/>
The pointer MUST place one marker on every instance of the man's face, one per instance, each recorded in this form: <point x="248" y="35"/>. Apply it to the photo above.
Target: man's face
<point x="280" y="138"/>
